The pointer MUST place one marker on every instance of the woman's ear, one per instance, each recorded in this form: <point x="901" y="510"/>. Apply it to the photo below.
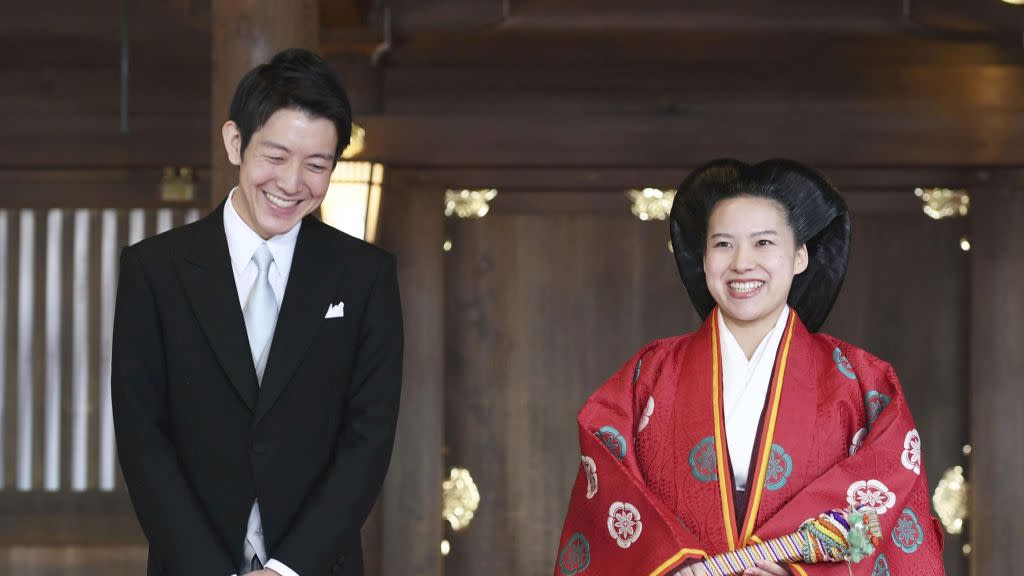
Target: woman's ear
<point x="800" y="262"/>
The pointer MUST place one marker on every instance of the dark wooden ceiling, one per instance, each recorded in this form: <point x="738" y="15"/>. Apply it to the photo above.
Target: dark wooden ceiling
<point x="729" y="27"/>
<point x="873" y="81"/>
<point x="562" y="82"/>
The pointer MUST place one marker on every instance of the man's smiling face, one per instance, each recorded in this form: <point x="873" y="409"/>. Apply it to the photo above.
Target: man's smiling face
<point x="284" y="171"/>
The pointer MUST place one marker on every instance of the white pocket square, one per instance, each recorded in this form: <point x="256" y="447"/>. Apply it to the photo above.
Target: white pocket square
<point x="336" y="310"/>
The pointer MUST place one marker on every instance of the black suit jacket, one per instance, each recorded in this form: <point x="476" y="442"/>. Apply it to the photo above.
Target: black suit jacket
<point x="199" y="439"/>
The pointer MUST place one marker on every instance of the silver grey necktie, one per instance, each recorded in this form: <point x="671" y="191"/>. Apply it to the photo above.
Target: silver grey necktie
<point x="260" y="319"/>
<point x="261" y="311"/>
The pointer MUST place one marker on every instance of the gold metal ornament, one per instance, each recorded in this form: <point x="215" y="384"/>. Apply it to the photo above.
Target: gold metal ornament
<point x="951" y="500"/>
<point x="356" y="143"/>
<point x="468" y="203"/>
<point x="942" y="203"/>
<point x="651" y="203"/>
<point x="178" y="184"/>
<point x="461" y="498"/>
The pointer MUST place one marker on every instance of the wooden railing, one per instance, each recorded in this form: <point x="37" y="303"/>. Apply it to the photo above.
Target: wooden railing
<point x="58" y="281"/>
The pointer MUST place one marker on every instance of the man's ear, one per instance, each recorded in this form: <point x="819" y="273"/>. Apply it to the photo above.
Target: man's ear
<point x="232" y="142"/>
<point x="800" y="263"/>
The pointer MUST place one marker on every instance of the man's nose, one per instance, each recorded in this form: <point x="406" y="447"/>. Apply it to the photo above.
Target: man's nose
<point x="290" y="178"/>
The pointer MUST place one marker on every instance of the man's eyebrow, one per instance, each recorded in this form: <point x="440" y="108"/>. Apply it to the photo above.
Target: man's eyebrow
<point x="271" y="144"/>
<point x="282" y="147"/>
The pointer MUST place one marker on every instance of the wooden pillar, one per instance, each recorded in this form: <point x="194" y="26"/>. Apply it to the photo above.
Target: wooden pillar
<point x="412" y="227"/>
<point x="997" y="381"/>
<point x="247" y="33"/>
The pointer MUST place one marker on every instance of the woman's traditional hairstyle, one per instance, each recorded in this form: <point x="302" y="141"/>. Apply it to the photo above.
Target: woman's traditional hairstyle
<point x="814" y="209"/>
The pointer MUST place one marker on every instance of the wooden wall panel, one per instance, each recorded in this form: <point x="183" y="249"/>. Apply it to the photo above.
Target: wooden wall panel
<point x="409" y="509"/>
<point x="61" y="104"/>
<point x="542" y="307"/>
<point x="997" y="400"/>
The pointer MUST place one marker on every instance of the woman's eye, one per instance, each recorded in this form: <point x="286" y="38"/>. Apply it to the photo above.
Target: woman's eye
<point x="763" y="242"/>
<point x="317" y="168"/>
<point x="721" y="244"/>
<point x="275" y="159"/>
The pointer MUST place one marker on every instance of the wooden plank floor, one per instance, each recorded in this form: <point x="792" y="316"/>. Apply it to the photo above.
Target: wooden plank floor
<point x="73" y="561"/>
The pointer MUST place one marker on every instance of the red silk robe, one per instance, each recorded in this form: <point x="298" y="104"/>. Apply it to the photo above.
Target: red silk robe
<point x="655" y="486"/>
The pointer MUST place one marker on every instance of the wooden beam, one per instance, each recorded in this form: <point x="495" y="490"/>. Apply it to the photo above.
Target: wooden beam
<point x="693" y="89"/>
<point x="437" y="15"/>
<point x="824" y="135"/>
<point x="66" y="518"/>
<point x="932" y="17"/>
<point x="97" y="188"/>
<point x="873" y="182"/>
<point x="737" y="48"/>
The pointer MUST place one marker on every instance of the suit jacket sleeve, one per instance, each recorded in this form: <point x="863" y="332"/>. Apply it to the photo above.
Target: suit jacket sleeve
<point x="175" y="523"/>
<point x="336" y="508"/>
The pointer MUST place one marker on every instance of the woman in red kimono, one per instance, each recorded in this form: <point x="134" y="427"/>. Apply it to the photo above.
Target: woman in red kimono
<point x="737" y="433"/>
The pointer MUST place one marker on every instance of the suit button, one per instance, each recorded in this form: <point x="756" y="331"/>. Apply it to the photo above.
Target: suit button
<point x="260" y="447"/>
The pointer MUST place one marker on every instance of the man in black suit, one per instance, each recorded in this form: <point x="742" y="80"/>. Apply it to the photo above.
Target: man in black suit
<point x="255" y="423"/>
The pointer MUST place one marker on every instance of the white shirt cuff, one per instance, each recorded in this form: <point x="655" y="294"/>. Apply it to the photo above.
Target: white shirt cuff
<point x="280" y="568"/>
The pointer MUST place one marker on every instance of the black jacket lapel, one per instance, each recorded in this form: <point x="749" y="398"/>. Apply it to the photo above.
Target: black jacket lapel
<point x="312" y="282"/>
<point x="210" y="287"/>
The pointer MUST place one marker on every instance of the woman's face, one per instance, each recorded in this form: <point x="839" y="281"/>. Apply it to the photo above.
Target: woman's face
<point x="750" y="259"/>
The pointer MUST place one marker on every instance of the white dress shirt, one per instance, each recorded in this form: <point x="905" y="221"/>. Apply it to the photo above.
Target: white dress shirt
<point x="242" y="244"/>
<point x="745" y="386"/>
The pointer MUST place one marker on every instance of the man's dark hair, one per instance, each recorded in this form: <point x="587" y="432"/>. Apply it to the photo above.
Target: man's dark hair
<point x="295" y="79"/>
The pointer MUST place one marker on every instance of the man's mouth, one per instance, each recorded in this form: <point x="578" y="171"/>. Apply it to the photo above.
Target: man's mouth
<point x="279" y="201"/>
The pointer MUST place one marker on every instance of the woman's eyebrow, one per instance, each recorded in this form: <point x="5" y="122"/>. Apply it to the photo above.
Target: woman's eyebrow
<point x="768" y="232"/>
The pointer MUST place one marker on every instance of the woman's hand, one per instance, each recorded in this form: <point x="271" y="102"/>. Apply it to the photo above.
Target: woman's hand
<point x="692" y="570"/>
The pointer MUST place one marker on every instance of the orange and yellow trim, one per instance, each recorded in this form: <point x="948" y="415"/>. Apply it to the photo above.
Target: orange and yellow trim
<point x="724" y="477"/>
<point x="671" y="562"/>
<point x="769" y="436"/>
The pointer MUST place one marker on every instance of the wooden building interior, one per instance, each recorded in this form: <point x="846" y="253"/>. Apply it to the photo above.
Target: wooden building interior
<point x="512" y="320"/>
